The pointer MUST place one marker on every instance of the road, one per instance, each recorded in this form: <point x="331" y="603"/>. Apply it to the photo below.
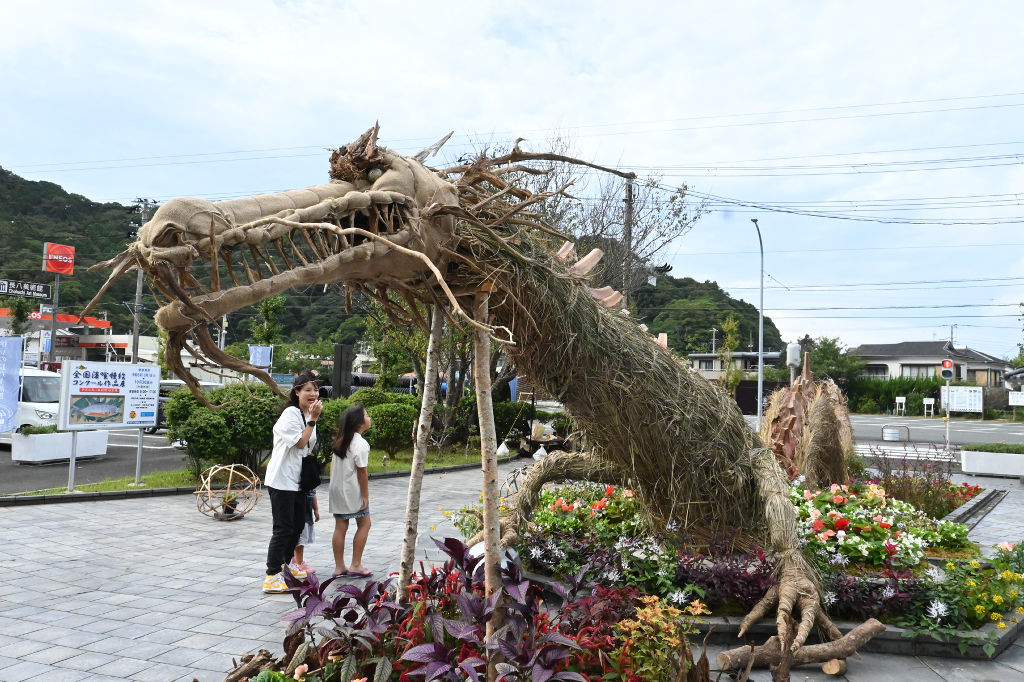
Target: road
<point x="157" y="455"/>
<point x="933" y="429"/>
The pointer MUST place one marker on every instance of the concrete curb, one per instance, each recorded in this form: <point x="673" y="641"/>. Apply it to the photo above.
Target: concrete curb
<point x="23" y="500"/>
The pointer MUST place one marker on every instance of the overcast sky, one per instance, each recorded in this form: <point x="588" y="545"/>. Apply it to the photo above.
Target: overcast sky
<point x="878" y="144"/>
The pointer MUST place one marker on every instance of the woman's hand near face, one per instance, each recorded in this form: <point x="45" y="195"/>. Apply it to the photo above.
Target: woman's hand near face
<point x="315" y="409"/>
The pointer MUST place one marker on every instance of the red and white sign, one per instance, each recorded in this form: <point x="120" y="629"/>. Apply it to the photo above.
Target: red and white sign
<point x="58" y="258"/>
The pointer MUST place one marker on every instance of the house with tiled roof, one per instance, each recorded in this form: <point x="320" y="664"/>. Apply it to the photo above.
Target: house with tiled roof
<point x="924" y="359"/>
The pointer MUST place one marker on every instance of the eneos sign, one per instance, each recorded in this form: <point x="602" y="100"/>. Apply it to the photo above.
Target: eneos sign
<point x="58" y="258"/>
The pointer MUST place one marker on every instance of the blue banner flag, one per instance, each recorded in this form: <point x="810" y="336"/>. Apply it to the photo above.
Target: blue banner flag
<point x="10" y="362"/>
<point x="260" y="356"/>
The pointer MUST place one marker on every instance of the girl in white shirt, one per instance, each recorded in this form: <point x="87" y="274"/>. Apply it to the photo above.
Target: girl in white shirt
<point x="294" y="437"/>
<point x="350" y="490"/>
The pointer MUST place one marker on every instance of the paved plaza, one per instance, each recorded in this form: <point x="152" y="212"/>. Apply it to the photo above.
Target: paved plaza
<point x="150" y="589"/>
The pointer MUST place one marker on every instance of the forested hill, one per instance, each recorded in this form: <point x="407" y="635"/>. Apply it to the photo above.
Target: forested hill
<point x="35" y="212"/>
<point x="687" y="310"/>
<point x="32" y="213"/>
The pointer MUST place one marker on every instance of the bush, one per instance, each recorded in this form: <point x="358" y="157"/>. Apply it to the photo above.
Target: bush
<point x="206" y="438"/>
<point x="372" y="396"/>
<point x="38" y="430"/>
<point x="393" y="425"/>
<point x="511" y="419"/>
<point x="1012" y="448"/>
<point x="246" y="424"/>
<point x="327" y="424"/>
<point x="915" y="404"/>
<point x="866" y="405"/>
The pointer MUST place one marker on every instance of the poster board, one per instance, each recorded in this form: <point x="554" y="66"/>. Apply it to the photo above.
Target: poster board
<point x="1016" y="398"/>
<point x="962" y="398"/>
<point x="108" y="395"/>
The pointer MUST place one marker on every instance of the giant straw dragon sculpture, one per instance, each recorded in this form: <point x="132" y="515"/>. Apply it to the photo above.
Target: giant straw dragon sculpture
<point x="391" y="227"/>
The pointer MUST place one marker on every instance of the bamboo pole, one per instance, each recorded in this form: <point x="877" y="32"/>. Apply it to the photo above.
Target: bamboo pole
<point x="419" y="455"/>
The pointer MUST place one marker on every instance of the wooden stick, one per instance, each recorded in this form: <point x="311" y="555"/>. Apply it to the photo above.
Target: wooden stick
<point x="770" y="652"/>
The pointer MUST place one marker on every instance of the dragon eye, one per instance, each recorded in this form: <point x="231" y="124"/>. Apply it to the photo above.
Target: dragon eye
<point x="374" y="173"/>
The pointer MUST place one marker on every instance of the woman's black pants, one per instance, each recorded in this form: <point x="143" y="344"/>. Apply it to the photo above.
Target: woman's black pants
<point x="288" y="508"/>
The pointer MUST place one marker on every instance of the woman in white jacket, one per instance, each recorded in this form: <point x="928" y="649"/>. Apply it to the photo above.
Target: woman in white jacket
<point x="294" y="437"/>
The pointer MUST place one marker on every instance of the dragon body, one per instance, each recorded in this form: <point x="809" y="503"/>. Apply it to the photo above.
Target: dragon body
<point x="401" y="232"/>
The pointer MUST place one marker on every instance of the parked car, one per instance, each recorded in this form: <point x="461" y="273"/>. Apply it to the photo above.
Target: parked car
<point x="38" y="400"/>
<point x="167" y="387"/>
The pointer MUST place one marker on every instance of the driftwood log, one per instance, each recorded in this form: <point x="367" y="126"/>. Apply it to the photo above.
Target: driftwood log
<point x="770" y="653"/>
<point x="251" y="666"/>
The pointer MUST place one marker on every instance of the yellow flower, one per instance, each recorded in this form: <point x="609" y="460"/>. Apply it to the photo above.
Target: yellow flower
<point x="1013" y="594"/>
<point x="971" y="583"/>
<point x="1001" y="625"/>
<point x="996" y="616"/>
<point x="1020" y="610"/>
<point x="997" y="599"/>
<point x="432" y="527"/>
<point x="1006" y="575"/>
<point x="980" y="609"/>
<point x="950" y="565"/>
<point x="975" y="564"/>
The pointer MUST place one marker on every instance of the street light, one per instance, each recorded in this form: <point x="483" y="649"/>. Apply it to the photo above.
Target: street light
<point x="760" y="333"/>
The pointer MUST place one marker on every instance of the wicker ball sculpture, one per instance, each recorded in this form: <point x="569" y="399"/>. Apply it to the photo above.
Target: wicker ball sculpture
<point x="227" y="492"/>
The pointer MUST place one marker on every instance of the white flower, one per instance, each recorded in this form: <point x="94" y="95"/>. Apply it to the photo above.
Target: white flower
<point x="612" y="575"/>
<point x="937" y="610"/>
<point x="679" y="597"/>
<point x="936" y="575"/>
<point x="672" y="525"/>
<point x="829" y="598"/>
<point x="536" y="552"/>
<point x="799" y="480"/>
<point x="839" y="560"/>
<point x="888" y="592"/>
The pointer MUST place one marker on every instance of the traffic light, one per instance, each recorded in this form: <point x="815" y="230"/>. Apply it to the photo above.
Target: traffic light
<point x="947" y="369"/>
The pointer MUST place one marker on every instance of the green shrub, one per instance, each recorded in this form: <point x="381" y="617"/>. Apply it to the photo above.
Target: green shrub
<point x="206" y="439"/>
<point x="915" y="404"/>
<point x="1012" y="448"/>
<point x="511" y="419"/>
<point x="37" y="430"/>
<point x="327" y="424"/>
<point x="372" y="396"/>
<point x="563" y="425"/>
<point x="393" y="425"/>
<point x="247" y="424"/>
<point x="865" y="405"/>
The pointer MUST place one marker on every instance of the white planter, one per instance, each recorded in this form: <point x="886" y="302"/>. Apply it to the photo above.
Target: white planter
<point x="55" y="447"/>
<point x="1001" y="463"/>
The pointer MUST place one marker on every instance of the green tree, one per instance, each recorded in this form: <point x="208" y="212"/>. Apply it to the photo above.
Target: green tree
<point x="20" y="309"/>
<point x="731" y="375"/>
<point x="266" y="330"/>
<point x="829" y="359"/>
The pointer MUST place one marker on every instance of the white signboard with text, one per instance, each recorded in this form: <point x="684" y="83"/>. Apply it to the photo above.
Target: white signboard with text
<point x="1016" y="398"/>
<point x="963" y="398"/>
<point x="108" y="395"/>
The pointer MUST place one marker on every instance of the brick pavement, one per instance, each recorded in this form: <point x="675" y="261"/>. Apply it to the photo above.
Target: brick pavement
<point x="149" y="589"/>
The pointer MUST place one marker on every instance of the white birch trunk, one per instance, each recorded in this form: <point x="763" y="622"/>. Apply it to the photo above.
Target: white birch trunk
<point x="489" y="465"/>
<point x="419" y="455"/>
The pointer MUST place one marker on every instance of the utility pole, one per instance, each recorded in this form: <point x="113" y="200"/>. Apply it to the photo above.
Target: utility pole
<point x="760" y="332"/>
<point x="627" y="242"/>
<point x="713" y="332"/>
<point x="144" y="208"/>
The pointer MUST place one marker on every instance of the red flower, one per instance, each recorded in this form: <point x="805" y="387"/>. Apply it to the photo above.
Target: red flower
<point x="842" y="524"/>
<point x="608" y="490"/>
<point x="883" y="524"/>
<point x="838" y="499"/>
<point x="817" y="525"/>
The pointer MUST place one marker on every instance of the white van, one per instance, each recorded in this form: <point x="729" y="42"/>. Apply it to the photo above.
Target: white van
<point x="39" y="399"/>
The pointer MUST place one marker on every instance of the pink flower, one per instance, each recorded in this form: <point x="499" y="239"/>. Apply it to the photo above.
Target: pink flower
<point x="300" y="671"/>
<point x="815" y="513"/>
<point x="817" y="525"/>
<point x="808" y="495"/>
<point x="834" y="514"/>
<point x="876" y="518"/>
<point x="1005" y="546"/>
<point x="838" y="499"/>
<point x="834" y="488"/>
